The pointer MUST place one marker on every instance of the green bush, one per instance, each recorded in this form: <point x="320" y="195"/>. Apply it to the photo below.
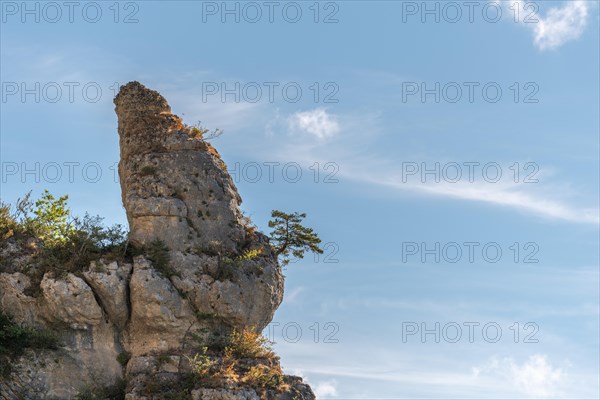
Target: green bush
<point x="7" y="222"/>
<point x="47" y="219"/>
<point x="88" y="240"/>
<point x="158" y="253"/>
<point x="246" y="358"/>
<point x="67" y="243"/>
<point x="14" y="339"/>
<point x="249" y="344"/>
<point x="264" y="377"/>
<point x="201" y="362"/>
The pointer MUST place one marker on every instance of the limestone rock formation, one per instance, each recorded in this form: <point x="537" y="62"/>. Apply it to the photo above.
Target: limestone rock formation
<point x="134" y="321"/>
<point x="174" y="185"/>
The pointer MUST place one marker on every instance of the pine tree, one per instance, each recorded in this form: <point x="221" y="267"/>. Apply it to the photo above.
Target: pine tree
<point x="289" y="236"/>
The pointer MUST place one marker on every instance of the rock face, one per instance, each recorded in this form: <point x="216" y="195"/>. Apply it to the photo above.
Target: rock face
<point x="134" y="319"/>
<point x="174" y="185"/>
<point x="176" y="188"/>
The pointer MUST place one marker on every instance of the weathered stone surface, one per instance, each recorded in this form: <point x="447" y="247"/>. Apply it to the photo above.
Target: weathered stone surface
<point x="58" y="374"/>
<point x="247" y="293"/>
<point x="70" y="301"/>
<point x="110" y="282"/>
<point x="160" y="318"/>
<point x="174" y="185"/>
<point x="22" y="308"/>
<point x="87" y="356"/>
<point x="175" y="188"/>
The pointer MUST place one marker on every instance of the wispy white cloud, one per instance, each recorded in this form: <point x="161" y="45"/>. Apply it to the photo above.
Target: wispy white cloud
<point x="462" y="309"/>
<point x="520" y="376"/>
<point x="530" y="199"/>
<point x="545" y="199"/>
<point x="318" y="123"/>
<point x="536" y="377"/>
<point x="327" y="388"/>
<point x="522" y="197"/>
<point x="560" y="25"/>
<point x="293" y="295"/>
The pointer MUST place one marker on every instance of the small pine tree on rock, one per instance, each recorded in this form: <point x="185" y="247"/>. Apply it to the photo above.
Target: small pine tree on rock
<point x="290" y="238"/>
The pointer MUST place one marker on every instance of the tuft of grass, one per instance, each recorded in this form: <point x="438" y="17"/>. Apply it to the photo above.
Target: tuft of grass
<point x="201" y="363"/>
<point x="123" y="358"/>
<point x="198" y="132"/>
<point x="247" y="359"/>
<point x="162" y="359"/>
<point x="227" y="268"/>
<point x="249" y="344"/>
<point x="265" y="377"/>
<point x="250" y="254"/>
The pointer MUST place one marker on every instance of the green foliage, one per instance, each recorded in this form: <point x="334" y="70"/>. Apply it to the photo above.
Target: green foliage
<point x="247" y="359"/>
<point x="179" y="388"/>
<point x="47" y="220"/>
<point x="290" y="237"/>
<point x="249" y="344"/>
<point x="201" y="362"/>
<point x="250" y="254"/>
<point x="123" y="358"/>
<point x="158" y="252"/>
<point x="205" y="316"/>
<point x="88" y="240"/>
<point x="14" y="339"/>
<point x="51" y="222"/>
<point x="264" y="376"/>
<point x="199" y="132"/>
<point x="7" y="222"/>
<point x="66" y="243"/>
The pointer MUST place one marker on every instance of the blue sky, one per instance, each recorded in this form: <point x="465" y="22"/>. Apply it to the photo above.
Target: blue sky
<point x="362" y="116"/>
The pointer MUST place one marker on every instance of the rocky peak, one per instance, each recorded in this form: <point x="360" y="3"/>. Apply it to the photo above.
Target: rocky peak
<point x="138" y="320"/>
<point x="175" y="187"/>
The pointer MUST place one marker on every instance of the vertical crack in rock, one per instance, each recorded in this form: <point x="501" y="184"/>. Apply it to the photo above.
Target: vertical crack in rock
<point x="128" y="295"/>
<point x="105" y="314"/>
